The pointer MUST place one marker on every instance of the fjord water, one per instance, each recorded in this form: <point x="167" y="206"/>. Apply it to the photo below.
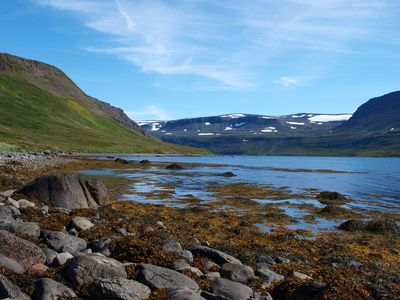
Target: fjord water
<point x="373" y="182"/>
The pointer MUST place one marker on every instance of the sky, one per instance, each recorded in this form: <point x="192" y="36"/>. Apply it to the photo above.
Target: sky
<point x="173" y="59"/>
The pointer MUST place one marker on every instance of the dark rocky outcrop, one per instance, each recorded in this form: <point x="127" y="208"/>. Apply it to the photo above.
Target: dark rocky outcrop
<point x="218" y="256"/>
<point x="68" y="191"/>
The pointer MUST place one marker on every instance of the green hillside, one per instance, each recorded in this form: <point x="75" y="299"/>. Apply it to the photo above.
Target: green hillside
<point x="41" y="108"/>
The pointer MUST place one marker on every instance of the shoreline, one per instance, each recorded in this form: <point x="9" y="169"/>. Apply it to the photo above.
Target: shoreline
<point x="340" y="259"/>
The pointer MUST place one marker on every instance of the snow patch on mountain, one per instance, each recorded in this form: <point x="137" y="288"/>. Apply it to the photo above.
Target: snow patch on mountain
<point x="330" y="118"/>
<point x="233" y="116"/>
<point x="296" y="123"/>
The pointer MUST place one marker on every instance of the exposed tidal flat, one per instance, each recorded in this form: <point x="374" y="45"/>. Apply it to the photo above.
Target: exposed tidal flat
<point x="253" y="208"/>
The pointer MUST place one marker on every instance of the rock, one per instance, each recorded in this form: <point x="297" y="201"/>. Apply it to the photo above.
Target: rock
<point x="7" y="193"/>
<point x="145" y="162"/>
<point x="60" y="241"/>
<point x="174" y="166"/>
<point x="124" y="232"/>
<point x="50" y="255"/>
<point x="194" y="242"/>
<point x="172" y="246"/>
<point x="300" y="276"/>
<point x="228" y="174"/>
<point x="49" y="289"/>
<point x="43" y="209"/>
<point x="68" y="191"/>
<point x="195" y="271"/>
<point x="266" y="260"/>
<point x="331" y="196"/>
<point x="310" y="290"/>
<point x="158" y="277"/>
<point x="160" y="225"/>
<point x="38" y="270"/>
<point x="148" y="229"/>
<point x="180" y="264"/>
<point x="84" y="268"/>
<point x="211" y="296"/>
<point x="26" y="203"/>
<point x="385" y="227"/>
<point x="20" y="250"/>
<point x="81" y="223"/>
<point x="263" y="296"/>
<point x="31" y="229"/>
<point x="218" y="256"/>
<point x="179" y="293"/>
<point x="9" y="211"/>
<point x="12" y="202"/>
<point x="281" y="260"/>
<point x="353" y="225"/>
<point x="11" y="264"/>
<point x="4" y="218"/>
<point x="11" y="291"/>
<point x="62" y="258"/>
<point x="231" y="289"/>
<point x="269" y="276"/>
<point x="239" y="273"/>
<point x="101" y="245"/>
<point x="211" y="276"/>
<point x="186" y="254"/>
<point x="118" y="288"/>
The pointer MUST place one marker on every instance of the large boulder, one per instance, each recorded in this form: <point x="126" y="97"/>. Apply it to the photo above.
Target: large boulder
<point x="158" y="277"/>
<point x="20" y="250"/>
<point x="68" y="191"/>
<point x="31" y="229"/>
<point x="84" y="268"/>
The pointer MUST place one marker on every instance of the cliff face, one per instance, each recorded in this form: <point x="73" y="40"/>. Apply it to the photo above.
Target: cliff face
<point x="55" y="81"/>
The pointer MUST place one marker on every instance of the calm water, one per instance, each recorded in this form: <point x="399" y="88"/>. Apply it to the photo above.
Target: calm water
<point x="374" y="181"/>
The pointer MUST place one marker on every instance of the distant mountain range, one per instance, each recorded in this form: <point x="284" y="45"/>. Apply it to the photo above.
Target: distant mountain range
<point x="41" y="108"/>
<point x="373" y="130"/>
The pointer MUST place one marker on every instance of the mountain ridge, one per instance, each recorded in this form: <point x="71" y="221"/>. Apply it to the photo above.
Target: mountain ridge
<point x="42" y="108"/>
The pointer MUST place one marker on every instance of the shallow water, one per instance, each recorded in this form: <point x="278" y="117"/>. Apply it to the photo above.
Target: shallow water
<point x="372" y="183"/>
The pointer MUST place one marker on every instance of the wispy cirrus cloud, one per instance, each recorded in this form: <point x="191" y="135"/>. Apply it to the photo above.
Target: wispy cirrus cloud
<point x="229" y="42"/>
<point x="149" y="112"/>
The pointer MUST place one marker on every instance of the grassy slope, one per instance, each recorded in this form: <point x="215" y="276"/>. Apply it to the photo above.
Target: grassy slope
<point x="36" y="119"/>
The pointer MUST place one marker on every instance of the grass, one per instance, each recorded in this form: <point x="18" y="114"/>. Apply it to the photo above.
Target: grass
<point x="36" y="119"/>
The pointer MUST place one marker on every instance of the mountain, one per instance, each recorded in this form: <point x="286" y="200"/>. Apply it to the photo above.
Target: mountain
<point x="41" y="108"/>
<point x="373" y="130"/>
<point x="380" y="114"/>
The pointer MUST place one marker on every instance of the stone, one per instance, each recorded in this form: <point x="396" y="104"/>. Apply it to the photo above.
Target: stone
<point x="31" y="229"/>
<point x="118" y="288"/>
<point x="50" y="255"/>
<point x="62" y="258"/>
<point x="62" y="242"/>
<point x="9" y="211"/>
<point x="267" y="260"/>
<point x="148" y="228"/>
<point x="101" y="245"/>
<point x="158" y="277"/>
<point x="179" y="293"/>
<point x="11" y="264"/>
<point x="195" y="271"/>
<point x="218" y="256"/>
<point x="263" y="296"/>
<point x="232" y="290"/>
<point x="239" y="273"/>
<point x="49" y="289"/>
<point x="84" y="268"/>
<point x="37" y="270"/>
<point x="7" y="193"/>
<point x="124" y="232"/>
<point x="186" y="254"/>
<point x="26" y="203"/>
<point x="12" y="202"/>
<point x="281" y="260"/>
<point x="269" y="276"/>
<point x="211" y="296"/>
<point x="172" y="246"/>
<point x="180" y="264"/>
<point x="81" y="223"/>
<point x="310" y="290"/>
<point x="4" y="218"/>
<point x="300" y="276"/>
<point x="11" y="291"/>
<point x="68" y="191"/>
<point x="211" y="276"/>
<point x="20" y="250"/>
<point x="43" y="209"/>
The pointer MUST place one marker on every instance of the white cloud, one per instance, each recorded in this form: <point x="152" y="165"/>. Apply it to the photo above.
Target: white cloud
<point x="232" y="43"/>
<point x="151" y="112"/>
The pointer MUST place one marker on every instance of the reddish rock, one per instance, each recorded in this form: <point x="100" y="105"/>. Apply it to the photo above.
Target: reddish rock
<point x="37" y="270"/>
<point x="20" y="250"/>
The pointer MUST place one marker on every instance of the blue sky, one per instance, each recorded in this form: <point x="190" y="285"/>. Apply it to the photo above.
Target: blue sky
<point x="174" y="59"/>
